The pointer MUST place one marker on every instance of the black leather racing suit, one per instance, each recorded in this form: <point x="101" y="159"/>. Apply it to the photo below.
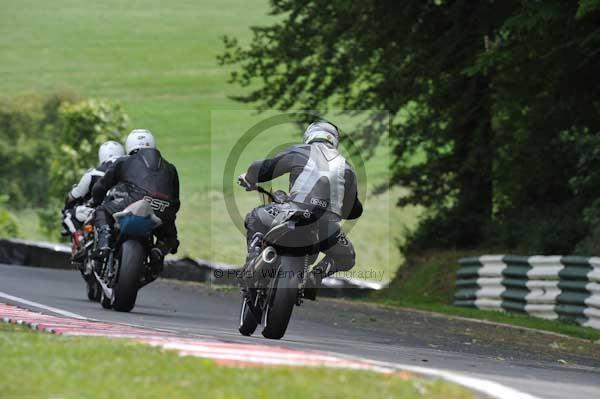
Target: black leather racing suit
<point x="322" y="181"/>
<point x="144" y="173"/>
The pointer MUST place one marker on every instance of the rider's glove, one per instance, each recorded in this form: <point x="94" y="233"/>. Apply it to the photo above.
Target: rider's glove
<point x="242" y="181"/>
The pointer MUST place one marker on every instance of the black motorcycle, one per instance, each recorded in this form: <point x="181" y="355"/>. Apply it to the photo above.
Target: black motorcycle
<point x="127" y="267"/>
<point x="275" y="277"/>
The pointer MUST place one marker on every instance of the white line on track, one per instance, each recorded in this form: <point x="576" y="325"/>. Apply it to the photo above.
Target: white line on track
<point x="42" y="306"/>
<point x="491" y="388"/>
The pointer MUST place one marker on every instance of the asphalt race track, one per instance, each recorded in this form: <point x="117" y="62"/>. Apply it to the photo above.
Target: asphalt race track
<point x="400" y="336"/>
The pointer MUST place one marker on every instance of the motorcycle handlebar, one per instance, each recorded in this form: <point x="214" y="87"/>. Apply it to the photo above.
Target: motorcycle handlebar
<point x="266" y="192"/>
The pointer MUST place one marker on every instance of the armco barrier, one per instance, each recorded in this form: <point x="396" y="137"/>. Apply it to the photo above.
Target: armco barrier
<point x="551" y="287"/>
<point x="29" y="253"/>
<point x="57" y="256"/>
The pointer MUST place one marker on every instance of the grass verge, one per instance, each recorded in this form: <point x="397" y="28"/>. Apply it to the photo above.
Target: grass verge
<point x="426" y="282"/>
<point x="41" y="365"/>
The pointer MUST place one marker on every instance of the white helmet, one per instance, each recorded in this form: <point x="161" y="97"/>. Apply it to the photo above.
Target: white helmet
<point x="110" y="151"/>
<point x="139" y="138"/>
<point x="322" y="131"/>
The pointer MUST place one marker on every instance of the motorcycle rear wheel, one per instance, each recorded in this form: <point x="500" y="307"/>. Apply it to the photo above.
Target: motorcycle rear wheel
<point x="130" y="269"/>
<point x="278" y="312"/>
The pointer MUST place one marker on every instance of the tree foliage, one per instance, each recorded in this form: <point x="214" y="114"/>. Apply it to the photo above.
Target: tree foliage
<point x="8" y="223"/>
<point x="81" y="128"/>
<point x="27" y="123"/>
<point x="496" y="96"/>
<point x="46" y="144"/>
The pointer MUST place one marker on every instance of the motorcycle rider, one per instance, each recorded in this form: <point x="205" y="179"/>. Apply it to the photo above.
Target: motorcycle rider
<point x="320" y="180"/>
<point x="142" y="174"/>
<point x="75" y="212"/>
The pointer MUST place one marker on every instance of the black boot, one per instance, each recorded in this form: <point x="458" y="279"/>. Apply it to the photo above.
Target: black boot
<point x="104" y="238"/>
<point x="157" y="257"/>
<point x="315" y="277"/>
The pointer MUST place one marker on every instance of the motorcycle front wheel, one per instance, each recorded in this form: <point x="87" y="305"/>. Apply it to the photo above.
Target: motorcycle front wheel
<point x="105" y="301"/>
<point x="248" y="322"/>
<point x="93" y="289"/>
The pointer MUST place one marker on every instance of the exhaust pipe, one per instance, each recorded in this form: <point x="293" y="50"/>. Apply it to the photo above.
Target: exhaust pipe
<point x="267" y="258"/>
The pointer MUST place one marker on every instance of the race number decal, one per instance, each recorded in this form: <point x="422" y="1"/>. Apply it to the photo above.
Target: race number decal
<point x="319" y="202"/>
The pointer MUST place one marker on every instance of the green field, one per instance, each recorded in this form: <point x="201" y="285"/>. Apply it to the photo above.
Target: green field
<point x="36" y="365"/>
<point x="159" y="60"/>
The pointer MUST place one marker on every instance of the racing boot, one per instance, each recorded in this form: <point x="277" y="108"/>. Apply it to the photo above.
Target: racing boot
<point x="315" y="277"/>
<point x="157" y="257"/>
<point x="104" y="238"/>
